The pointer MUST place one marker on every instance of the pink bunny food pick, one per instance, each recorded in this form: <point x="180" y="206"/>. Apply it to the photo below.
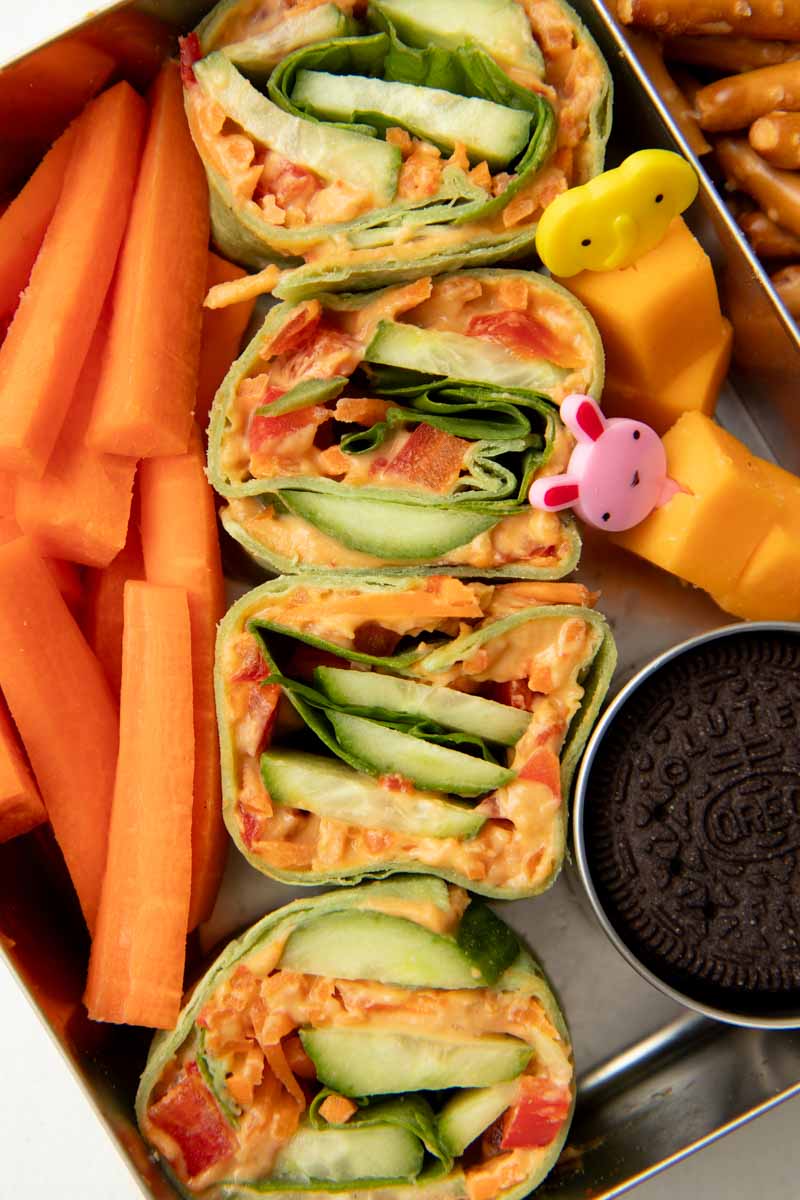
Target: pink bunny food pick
<point x="617" y="473"/>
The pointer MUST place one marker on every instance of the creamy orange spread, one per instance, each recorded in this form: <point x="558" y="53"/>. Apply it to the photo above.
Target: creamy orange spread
<point x="522" y="840"/>
<point x="249" y="1027"/>
<point x="278" y="192"/>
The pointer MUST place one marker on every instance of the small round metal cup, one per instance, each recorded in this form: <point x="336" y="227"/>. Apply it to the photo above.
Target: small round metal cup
<point x="785" y="1020"/>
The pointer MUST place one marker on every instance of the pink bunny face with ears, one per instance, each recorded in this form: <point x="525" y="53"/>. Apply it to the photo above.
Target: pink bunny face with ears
<point x="617" y="473"/>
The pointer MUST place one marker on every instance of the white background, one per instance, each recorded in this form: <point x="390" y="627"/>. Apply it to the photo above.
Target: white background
<point x="52" y="1145"/>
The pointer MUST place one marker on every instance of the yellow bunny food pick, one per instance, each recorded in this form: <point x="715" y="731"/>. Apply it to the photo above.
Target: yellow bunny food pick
<point x="616" y="217"/>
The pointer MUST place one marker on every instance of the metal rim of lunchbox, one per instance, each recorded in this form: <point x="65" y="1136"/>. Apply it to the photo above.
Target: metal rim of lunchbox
<point x="579" y="809"/>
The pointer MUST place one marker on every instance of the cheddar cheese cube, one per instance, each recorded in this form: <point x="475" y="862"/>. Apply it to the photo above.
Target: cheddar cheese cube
<point x="707" y="533"/>
<point x="656" y="317"/>
<point x="694" y="389"/>
<point x="769" y="587"/>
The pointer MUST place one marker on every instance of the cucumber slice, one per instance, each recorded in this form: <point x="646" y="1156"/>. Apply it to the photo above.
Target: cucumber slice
<point x="258" y="56"/>
<point x="499" y="26"/>
<point x="456" y="356"/>
<point x="393" y="531"/>
<point x="487" y="130"/>
<point x="487" y="941"/>
<point x="334" y="154"/>
<point x="359" y="1061"/>
<point x="449" y="708"/>
<point x="373" y="1152"/>
<point x="438" y="768"/>
<point x="373" y="945"/>
<point x="467" y="1115"/>
<point x="332" y="789"/>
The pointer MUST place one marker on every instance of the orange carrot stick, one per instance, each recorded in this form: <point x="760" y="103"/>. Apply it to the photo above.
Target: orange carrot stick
<point x="40" y="95"/>
<point x="137" y="41"/>
<point x="68" y="581"/>
<point x="80" y="507"/>
<point x="24" y="223"/>
<point x="44" y="350"/>
<point x="223" y="329"/>
<point x="62" y="707"/>
<point x="181" y="547"/>
<point x="136" y="965"/>
<point x="146" y="397"/>
<point x="21" y="808"/>
<point x="102" y="610"/>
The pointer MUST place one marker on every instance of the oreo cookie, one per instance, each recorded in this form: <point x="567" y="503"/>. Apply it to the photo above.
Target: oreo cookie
<point x="692" y="822"/>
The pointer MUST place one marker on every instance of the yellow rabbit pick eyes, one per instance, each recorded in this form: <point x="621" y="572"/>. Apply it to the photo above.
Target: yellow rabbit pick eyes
<point x="618" y="216"/>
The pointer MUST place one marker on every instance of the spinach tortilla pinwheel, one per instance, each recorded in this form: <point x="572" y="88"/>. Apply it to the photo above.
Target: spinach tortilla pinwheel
<point x="388" y="1042"/>
<point x="420" y="724"/>
<point x="424" y="136"/>
<point x="401" y="429"/>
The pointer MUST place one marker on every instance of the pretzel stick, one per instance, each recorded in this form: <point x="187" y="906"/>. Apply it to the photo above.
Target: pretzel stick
<point x="787" y="285"/>
<point x="738" y="100"/>
<point x="776" y="138"/>
<point x="648" y="52"/>
<point x="768" y="239"/>
<point x="754" y="18"/>
<point x="777" y="192"/>
<point x="729" y="54"/>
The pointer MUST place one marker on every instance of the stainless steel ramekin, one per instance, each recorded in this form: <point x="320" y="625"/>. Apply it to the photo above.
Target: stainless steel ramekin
<point x="790" y="1020"/>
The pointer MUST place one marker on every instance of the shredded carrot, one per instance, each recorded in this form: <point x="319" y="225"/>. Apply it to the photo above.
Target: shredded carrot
<point x="282" y="1071"/>
<point x="137" y="959"/>
<point x="223" y="330"/>
<point x="337" y="1109"/>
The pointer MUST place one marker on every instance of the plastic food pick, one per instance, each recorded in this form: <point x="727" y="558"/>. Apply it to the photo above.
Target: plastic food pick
<point x="616" y="217"/>
<point x="617" y="473"/>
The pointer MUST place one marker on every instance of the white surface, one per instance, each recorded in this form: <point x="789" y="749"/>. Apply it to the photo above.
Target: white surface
<point x="50" y="1141"/>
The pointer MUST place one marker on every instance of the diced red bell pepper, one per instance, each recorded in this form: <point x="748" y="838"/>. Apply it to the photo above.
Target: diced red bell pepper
<point x="430" y="459"/>
<point x="543" y="767"/>
<point x="265" y="429"/>
<point x="515" y="693"/>
<point x="298" y="330"/>
<point x="522" y="335"/>
<point x="292" y="185"/>
<point x="253" y="669"/>
<point x="189" y="1114"/>
<point x="190" y="53"/>
<point x="251" y="826"/>
<point x="395" y="783"/>
<point x="255" y="728"/>
<point x="323" y="354"/>
<point x="377" y="640"/>
<point x="537" y="1116"/>
<point x="305" y="659"/>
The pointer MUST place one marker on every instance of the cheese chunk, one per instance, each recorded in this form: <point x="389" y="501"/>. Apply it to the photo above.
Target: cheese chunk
<point x="707" y="533"/>
<point x="694" y="389"/>
<point x="657" y="317"/>
<point x="769" y="587"/>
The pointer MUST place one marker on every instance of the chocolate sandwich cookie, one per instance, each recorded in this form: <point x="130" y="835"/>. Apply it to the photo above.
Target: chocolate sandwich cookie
<point x="690" y="836"/>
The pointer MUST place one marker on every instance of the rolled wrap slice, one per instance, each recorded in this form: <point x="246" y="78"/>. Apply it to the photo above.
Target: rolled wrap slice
<point x="401" y="429"/>
<point x="359" y="1043"/>
<point x="428" y="136"/>
<point x="407" y="725"/>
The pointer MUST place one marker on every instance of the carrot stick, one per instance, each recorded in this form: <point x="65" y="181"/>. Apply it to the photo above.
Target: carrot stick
<point x="40" y="95"/>
<point x="136" y="965"/>
<point x="62" y="707"/>
<point x="181" y="547"/>
<point x="80" y="507"/>
<point x="137" y="41"/>
<point x="21" y="808"/>
<point x="146" y="397"/>
<point x="223" y="329"/>
<point x="102" y="610"/>
<point x="24" y="223"/>
<point x="44" y="350"/>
